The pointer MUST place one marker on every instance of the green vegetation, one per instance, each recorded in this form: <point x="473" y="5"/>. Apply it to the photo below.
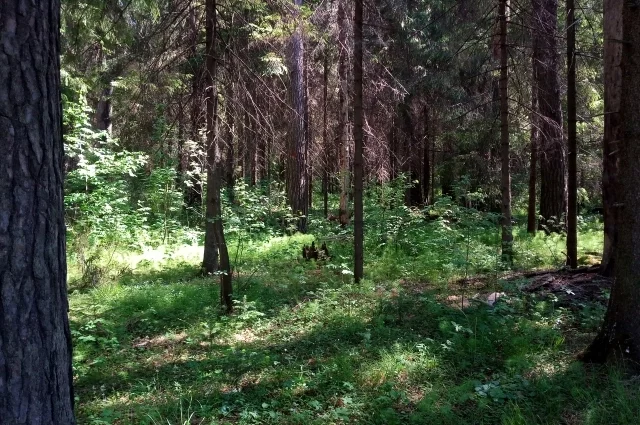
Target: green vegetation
<point x="305" y="345"/>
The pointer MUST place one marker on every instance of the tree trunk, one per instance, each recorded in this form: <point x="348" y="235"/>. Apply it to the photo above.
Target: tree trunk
<point x="572" y="143"/>
<point x="325" y="138"/>
<point x="193" y="187"/>
<point x="612" y="127"/>
<point x="620" y="333"/>
<point x="532" y="216"/>
<point x="298" y="190"/>
<point x="35" y="341"/>
<point x="553" y="180"/>
<point x="343" y="116"/>
<point x="505" y="154"/>
<point x="216" y="256"/>
<point x="104" y="110"/>
<point x="426" y="160"/>
<point x="358" y="136"/>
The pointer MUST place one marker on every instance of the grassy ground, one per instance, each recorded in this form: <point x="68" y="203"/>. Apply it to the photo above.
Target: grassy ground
<point x="305" y="346"/>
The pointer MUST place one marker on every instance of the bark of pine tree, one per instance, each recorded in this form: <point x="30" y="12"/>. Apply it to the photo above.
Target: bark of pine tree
<point x="325" y="135"/>
<point x="343" y="117"/>
<point x="216" y="255"/>
<point x="532" y="215"/>
<point x="553" y="179"/>
<point x="572" y="143"/>
<point x="505" y="154"/>
<point x="35" y="341"/>
<point x="612" y="127"/>
<point x="298" y="179"/>
<point x="426" y="157"/>
<point x="620" y="333"/>
<point x="358" y="136"/>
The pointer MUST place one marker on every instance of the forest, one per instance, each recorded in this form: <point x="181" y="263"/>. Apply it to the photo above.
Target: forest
<point x="319" y="212"/>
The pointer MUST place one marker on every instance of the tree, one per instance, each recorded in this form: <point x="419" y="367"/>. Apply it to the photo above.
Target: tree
<point x="612" y="127"/>
<point x="620" y="333"/>
<point x="553" y="180"/>
<point x="35" y="341"/>
<point x="298" y="179"/>
<point x="572" y="145"/>
<point x="505" y="175"/>
<point x="216" y="255"/>
<point x="358" y="136"/>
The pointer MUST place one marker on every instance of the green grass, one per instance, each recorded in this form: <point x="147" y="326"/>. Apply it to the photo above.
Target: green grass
<point x="305" y="346"/>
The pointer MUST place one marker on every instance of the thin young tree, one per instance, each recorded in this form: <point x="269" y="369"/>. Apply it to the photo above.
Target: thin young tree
<point x="358" y="136"/>
<point x="216" y="255"/>
<point x="505" y="175"/>
<point x="620" y="333"/>
<point x="612" y="127"/>
<point x="35" y="340"/>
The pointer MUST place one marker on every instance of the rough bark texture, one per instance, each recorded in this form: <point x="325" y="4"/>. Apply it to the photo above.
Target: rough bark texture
<point x="532" y="215"/>
<point x="298" y="183"/>
<point x="572" y="143"/>
<point x="553" y="180"/>
<point x="343" y="116"/>
<point x="35" y="342"/>
<point x="104" y="110"/>
<point x="505" y="154"/>
<point x="620" y="334"/>
<point x="612" y="127"/>
<point x="216" y="256"/>
<point x="358" y="136"/>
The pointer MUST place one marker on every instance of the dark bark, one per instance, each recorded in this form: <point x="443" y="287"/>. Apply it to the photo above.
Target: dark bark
<point x="505" y="154"/>
<point x="104" y="110"/>
<point x="325" y="137"/>
<point x="553" y="180"/>
<point x="572" y="143"/>
<point x="216" y="256"/>
<point x="426" y="160"/>
<point x="35" y="341"/>
<point x="343" y="116"/>
<point x="298" y="179"/>
<point x="532" y="216"/>
<point x="358" y="136"/>
<point x="620" y="333"/>
<point x="612" y="127"/>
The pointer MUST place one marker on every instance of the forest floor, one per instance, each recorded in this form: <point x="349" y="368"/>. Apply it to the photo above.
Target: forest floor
<point x="428" y="338"/>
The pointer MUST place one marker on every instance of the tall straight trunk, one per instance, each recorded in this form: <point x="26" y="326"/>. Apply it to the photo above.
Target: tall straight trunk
<point x="193" y="187"/>
<point x="413" y="195"/>
<point x="505" y="154"/>
<point x="612" y="127"/>
<point x="553" y="179"/>
<point x="230" y="157"/>
<point x="358" y="136"/>
<point x="532" y="216"/>
<point x="299" y="184"/>
<point x="426" y="165"/>
<point x="620" y="333"/>
<point x="325" y="138"/>
<point x="35" y="341"/>
<point x="572" y="143"/>
<point x="343" y="115"/>
<point x="216" y="255"/>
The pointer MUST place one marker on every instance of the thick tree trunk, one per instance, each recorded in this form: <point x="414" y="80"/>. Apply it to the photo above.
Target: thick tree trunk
<point x="35" y="341"/>
<point x="358" y="136"/>
<point x="553" y="179"/>
<point x="343" y="116"/>
<point x="216" y="256"/>
<point x="620" y="333"/>
<point x="572" y="143"/>
<point x="505" y="154"/>
<point x="612" y="127"/>
<point x="299" y="189"/>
